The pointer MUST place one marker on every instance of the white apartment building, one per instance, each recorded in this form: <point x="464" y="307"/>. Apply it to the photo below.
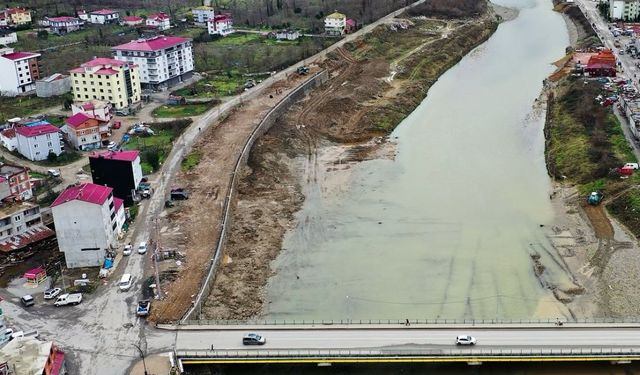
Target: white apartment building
<point x="104" y="16"/>
<point x="19" y="72"/>
<point x="88" y="220"/>
<point x="202" y="14"/>
<point x="626" y="10"/>
<point x="335" y="24"/>
<point x="17" y="218"/>
<point x="221" y="24"/>
<point x="37" y="142"/>
<point x="160" y="21"/>
<point x="163" y="60"/>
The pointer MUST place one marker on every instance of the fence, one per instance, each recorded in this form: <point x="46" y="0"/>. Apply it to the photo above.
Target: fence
<point x="264" y="125"/>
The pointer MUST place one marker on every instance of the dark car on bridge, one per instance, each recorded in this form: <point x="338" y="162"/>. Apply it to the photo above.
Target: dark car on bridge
<point x="253" y="339"/>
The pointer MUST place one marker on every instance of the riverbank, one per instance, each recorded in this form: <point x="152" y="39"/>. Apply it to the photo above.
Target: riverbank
<point x="376" y="82"/>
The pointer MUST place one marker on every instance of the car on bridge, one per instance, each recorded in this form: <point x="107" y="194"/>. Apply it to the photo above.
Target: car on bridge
<point x="465" y="340"/>
<point x="253" y="339"/>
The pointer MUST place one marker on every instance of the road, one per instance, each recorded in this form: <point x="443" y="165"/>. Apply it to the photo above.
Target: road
<point x="99" y="334"/>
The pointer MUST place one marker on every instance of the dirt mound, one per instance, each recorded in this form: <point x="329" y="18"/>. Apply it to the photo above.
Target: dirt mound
<point x="449" y="8"/>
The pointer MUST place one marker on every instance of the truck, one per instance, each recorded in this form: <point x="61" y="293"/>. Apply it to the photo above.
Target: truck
<point x="68" y="299"/>
<point x="595" y="198"/>
<point x="143" y="308"/>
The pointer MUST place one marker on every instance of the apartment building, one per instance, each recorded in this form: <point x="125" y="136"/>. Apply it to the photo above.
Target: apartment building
<point x="335" y="24"/>
<point x="15" y="182"/>
<point x="88" y="220"/>
<point x="104" y="16"/>
<point x="222" y="24"/>
<point x="159" y="21"/>
<point x="202" y="14"/>
<point x="20" y="71"/>
<point x="63" y="25"/>
<point x="38" y="141"/>
<point x="18" y="16"/>
<point x="120" y="170"/>
<point x="82" y="132"/>
<point x="115" y="81"/>
<point x="163" y="60"/>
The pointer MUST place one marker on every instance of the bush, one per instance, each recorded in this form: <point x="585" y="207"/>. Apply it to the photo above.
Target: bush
<point x="152" y="156"/>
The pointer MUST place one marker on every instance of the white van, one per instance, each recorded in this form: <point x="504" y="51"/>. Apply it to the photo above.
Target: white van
<point x="125" y="282"/>
<point x="631" y="165"/>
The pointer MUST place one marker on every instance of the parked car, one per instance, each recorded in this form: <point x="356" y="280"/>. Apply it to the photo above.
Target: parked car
<point x="142" y="248"/>
<point x="127" y="250"/>
<point x="111" y="144"/>
<point x="53" y="173"/>
<point x="631" y="165"/>
<point x="68" y="299"/>
<point x="178" y="195"/>
<point x="143" y="308"/>
<point x="465" y="340"/>
<point x="52" y="293"/>
<point x="15" y="335"/>
<point x="125" y="282"/>
<point x="253" y="339"/>
<point x="27" y="300"/>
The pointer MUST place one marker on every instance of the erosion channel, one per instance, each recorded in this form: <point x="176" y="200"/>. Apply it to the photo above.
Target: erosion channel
<point x="448" y="217"/>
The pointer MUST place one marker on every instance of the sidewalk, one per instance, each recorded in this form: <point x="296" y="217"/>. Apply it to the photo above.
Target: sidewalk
<point x="157" y="364"/>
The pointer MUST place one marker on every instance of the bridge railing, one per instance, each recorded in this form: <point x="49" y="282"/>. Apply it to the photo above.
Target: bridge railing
<point x="329" y="322"/>
<point x="390" y="353"/>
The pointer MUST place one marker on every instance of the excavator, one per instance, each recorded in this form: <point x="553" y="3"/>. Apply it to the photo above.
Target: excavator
<point x="595" y="198"/>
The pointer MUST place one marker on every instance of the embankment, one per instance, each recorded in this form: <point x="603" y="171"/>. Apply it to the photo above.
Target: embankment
<point x="376" y="81"/>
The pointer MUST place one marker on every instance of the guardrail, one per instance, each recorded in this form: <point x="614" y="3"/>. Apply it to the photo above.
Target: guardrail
<point x="264" y="125"/>
<point x="391" y="353"/>
<point x="404" y="322"/>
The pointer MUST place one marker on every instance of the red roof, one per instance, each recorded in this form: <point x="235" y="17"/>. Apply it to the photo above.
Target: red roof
<point x="79" y="119"/>
<point x="117" y="203"/>
<point x="132" y="19"/>
<point x="103" y="62"/>
<point x="20" y="55"/>
<point x="33" y="234"/>
<point x="87" y="192"/>
<point x="9" y="133"/>
<point x="104" y="11"/>
<point x="33" y="131"/>
<point x="130" y="155"/>
<point x="152" y="44"/>
<point x="221" y="18"/>
<point x="16" y="10"/>
<point x="62" y="19"/>
<point x="158" y="16"/>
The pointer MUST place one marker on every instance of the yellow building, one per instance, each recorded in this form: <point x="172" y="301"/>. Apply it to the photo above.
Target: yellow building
<point x="19" y="16"/>
<point x="114" y="81"/>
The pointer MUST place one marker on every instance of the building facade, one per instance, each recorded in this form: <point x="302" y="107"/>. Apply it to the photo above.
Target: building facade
<point x="86" y="220"/>
<point x="115" y="81"/>
<point x="120" y="170"/>
<point x="8" y="139"/>
<point x="104" y="16"/>
<point x="8" y="37"/>
<point x="28" y="355"/>
<point x="221" y="24"/>
<point x="18" y="16"/>
<point x="159" y="21"/>
<point x="20" y="70"/>
<point x="625" y="10"/>
<point x="82" y="132"/>
<point x="335" y="24"/>
<point x="18" y="218"/>
<point x="97" y="109"/>
<point x="164" y="60"/>
<point x="202" y="14"/>
<point x="18" y="182"/>
<point x="63" y="25"/>
<point x="37" y="142"/>
<point x="55" y="84"/>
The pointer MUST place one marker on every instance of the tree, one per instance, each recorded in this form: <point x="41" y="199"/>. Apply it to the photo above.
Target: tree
<point x="43" y="34"/>
<point x="52" y="157"/>
<point x="152" y="156"/>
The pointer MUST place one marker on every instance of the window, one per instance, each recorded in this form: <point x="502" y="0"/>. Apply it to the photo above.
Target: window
<point x="35" y="145"/>
<point x="49" y="144"/>
<point x="17" y="218"/>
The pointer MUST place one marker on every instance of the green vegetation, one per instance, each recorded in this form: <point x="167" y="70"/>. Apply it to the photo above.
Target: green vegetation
<point x="183" y="110"/>
<point x="191" y="160"/>
<point x="23" y="106"/>
<point x="218" y="85"/>
<point x="56" y="120"/>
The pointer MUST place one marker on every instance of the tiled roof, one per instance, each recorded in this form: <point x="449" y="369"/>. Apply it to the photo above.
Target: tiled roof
<point x="16" y="10"/>
<point x="336" y="15"/>
<point x="220" y="18"/>
<point x="9" y="133"/>
<point x="117" y="203"/>
<point x="32" y="131"/>
<point x="103" y="61"/>
<point x="62" y="19"/>
<point x="20" y="55"/>
<point x="34" y="234"/>
<point x="79" y="119"/>
<point x="87" y="192"/>
<point x="104" y="11"/>
<point x="130" y="155"/>
<point x="158" y="16"/>
<point x="152" y="44"/>
<point x="132" y="18"/>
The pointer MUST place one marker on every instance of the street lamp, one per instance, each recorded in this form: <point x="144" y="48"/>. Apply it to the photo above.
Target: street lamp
<point x="143" y="362"/>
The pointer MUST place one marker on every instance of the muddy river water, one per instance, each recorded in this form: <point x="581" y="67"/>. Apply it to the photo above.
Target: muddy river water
<point x="448" y="228"/>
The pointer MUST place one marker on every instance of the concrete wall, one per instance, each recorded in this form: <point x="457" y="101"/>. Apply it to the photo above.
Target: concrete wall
<point x="58" y="87"/>
<point x="264" y="126"/>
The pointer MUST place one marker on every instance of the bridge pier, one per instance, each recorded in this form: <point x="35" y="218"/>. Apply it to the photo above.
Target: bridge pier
<point x="622" y="362"/>
<point x="474" y="363"/>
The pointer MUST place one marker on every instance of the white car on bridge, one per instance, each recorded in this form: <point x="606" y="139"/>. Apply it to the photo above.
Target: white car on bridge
<point x="465" y="340"/>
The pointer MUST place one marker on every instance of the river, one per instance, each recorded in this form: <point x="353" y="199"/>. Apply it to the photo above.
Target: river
<point x="448" y="228"/>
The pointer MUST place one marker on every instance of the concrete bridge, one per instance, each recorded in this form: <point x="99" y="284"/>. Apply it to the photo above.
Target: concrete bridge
<point x="324" y="343"/>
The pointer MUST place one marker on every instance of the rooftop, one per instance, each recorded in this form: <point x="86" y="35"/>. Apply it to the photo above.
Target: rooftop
<point x="151" y="44"/>
<point x="79" y="119"/>
<point x="9" y="133"/>
<point x="203" y="7"/>
<point x="34" y="234"/>
<point x="27" y="355"/>
<point x="158" y="16"/>
<point x="20" y="55"/>
<point x="132" y="18"/>
<point x="336" y="15"/>
<point x="104" y="11"/>
<point x="32" y="131"/>
<point x="118" y="203"/>
<point x="87" y="192"/>
<point x="8" y="169"/>
<point x="63" y="19"/>
<point x="8" y="209"/>
<point x="54" y="77"/>
<point x="130" y="155"/>
<point x="105" y="64"/>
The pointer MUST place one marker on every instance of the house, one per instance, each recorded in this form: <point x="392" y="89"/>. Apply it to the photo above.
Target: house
<point x="132" y="20"/>
<point x="37" y="142"/>
<point x="335" y="24"/>
<point x="94" y="108"/>
<point x="55" y="84"/>
<point x="107" y="79"/>
<point x="602" y="64"/>
<point x="202" y="14"/>
<point x="18" y="16"/>
<point x="159" y="21"/>
<point x="87" y="218"/>
<point x="8" y="37"/>
<point x="8" y="139"/>
<point x="4" y="19"/>
<point x="104" y="16"/>
<point x="82" y="132"/>
<point x="28" y="355"/>
<point x="18" y="183"/>
<point x="21" y="225"/>
<point x="222" y="24"/>
<point x="83" y="15"/>
<point x="20" y="70"/>
<point x="351" y="26"/>
<point x="120" y="170"/>
<point x="163" y="60"/>
<point x="624" y="10"/>
<point x="288" y="35"/>
<point x="63" y="25"/>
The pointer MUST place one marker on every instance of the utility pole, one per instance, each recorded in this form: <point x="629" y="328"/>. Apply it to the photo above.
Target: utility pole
<point x="64" y="288"/>
<point x="144" y="365"/>
<point x="155" y="260"/>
